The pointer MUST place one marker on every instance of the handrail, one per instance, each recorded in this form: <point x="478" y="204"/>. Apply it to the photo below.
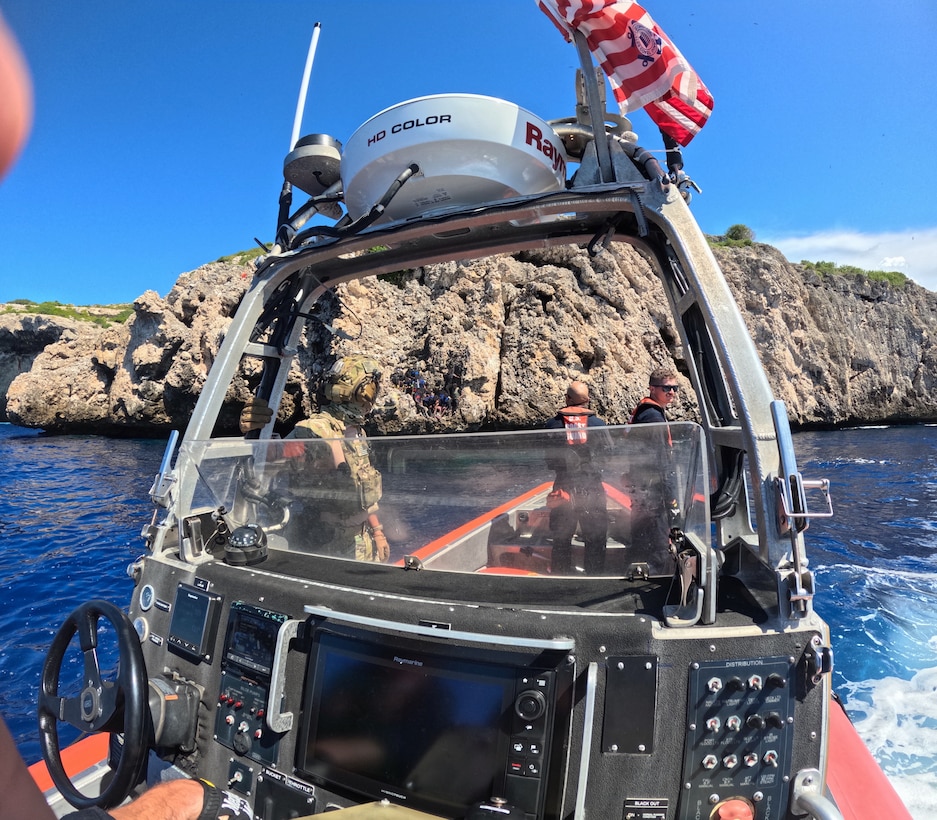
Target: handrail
<point x="592" y="677"/>
<point x="791" y="489"/>
<point x="822" y="808"/>
<point x="807" y="796"/>
<point x="792" y="485"/>
<point x="162" y="484"/>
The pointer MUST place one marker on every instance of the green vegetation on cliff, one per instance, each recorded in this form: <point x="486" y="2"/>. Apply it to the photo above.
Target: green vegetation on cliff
<point x="103" y="315"/>
<point x="242" y="257"/>
<point x="827" y="269"/>
<point x="737" y="236"/>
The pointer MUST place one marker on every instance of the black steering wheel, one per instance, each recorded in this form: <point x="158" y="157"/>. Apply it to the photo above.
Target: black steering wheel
<point x="102" y="706"/>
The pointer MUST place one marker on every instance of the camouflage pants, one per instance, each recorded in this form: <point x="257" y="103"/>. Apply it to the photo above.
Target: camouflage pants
<point x="340" y="539"/>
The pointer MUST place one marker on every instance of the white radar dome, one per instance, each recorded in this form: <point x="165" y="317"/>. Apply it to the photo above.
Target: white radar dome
<point x="470" y="149"/>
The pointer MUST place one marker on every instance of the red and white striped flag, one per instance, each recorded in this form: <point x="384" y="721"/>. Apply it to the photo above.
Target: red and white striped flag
<point x="645" y="69"/>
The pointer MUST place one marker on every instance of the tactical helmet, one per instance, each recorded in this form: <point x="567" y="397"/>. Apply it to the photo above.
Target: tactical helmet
<point x="353" y="380"/>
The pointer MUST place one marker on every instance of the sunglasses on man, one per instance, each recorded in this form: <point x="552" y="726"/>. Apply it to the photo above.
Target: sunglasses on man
<point x="669" y="388"/>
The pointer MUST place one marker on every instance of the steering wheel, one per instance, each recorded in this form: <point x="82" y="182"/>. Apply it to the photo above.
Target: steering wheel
<point x="102" y="706"/>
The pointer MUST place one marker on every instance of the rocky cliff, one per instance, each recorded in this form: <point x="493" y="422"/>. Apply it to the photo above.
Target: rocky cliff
<point x="839" y="350"/>
<point x="23" y="336"/>
<point x="504" y="335"/>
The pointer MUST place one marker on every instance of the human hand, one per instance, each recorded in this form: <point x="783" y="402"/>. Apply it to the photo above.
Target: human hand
<point x="185" y="800"/>
<point x="380" y="544"/>
<point x="255" y="415"/>
<point x="293" y="449"/>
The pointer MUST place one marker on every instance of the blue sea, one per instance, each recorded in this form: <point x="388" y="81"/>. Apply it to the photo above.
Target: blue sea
<point x="72" y="508"/>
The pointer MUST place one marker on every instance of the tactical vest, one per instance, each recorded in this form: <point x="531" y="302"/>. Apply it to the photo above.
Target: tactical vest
<point x="366" y="477"/>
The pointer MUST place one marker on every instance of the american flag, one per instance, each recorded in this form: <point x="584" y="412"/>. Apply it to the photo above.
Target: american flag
<point x="645" y="69"/>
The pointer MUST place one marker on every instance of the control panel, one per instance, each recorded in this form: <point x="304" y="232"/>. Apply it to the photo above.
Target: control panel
<point x="239" y="720"/>
<point x="246" y="670"/>
<point x="738" y="736"/>
<point x="530" y="736"/>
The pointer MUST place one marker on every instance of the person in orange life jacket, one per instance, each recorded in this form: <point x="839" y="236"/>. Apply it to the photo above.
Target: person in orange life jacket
<point x="655" y="508"/>
<point x="662" y="390"/>
<point x="578" y="496"/>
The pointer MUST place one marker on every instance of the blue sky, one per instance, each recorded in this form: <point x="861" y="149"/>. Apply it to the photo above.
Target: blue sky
<point x="160" y="128"/>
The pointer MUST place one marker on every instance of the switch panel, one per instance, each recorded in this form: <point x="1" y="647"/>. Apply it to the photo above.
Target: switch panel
<point x="738" y="735"/>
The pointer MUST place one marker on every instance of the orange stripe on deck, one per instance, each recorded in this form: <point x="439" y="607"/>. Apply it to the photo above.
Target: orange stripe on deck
<point x="506" y="571"/>
<point x="475" y="523"/>
<point x="617" y="496"/>
<point x="76" y="758"/>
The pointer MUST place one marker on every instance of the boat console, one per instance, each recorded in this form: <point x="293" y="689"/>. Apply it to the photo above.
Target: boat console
<point x="316" y="691"/>
<point x="470" y="674"/>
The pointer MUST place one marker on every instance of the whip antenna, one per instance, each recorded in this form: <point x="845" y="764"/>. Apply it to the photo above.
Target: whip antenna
<point x="304" y="87"/>
<point x="295" y="169"/>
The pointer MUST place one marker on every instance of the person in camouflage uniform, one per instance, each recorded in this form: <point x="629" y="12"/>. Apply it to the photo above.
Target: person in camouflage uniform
<point x="350" y="518"/>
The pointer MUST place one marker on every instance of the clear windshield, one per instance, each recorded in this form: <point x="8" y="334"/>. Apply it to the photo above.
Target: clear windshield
<point x="598" y="501"/>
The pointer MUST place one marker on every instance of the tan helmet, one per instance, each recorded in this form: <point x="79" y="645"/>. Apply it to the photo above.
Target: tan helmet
<point x="353" y="380"/>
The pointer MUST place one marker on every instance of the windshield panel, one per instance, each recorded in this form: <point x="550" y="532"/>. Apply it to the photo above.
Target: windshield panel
<point x="595" y="501"/>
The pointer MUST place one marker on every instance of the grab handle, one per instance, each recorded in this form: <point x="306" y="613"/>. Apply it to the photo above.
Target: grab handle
<point x="280" y="721"/>
<point x="808" y="797"/>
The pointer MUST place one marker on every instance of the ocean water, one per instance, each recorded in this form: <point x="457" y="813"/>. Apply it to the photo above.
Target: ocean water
<point x="876" y="575"/>
<point x="72" y="508"/>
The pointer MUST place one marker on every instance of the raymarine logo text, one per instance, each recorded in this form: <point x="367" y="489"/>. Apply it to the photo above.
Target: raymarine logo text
<point x="407" y="661"/>
<point x="535" y="139"/>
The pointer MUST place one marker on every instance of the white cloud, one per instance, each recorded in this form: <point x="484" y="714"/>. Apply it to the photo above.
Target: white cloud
<point x="913" y="253"/>
<point x="894" y="262"/>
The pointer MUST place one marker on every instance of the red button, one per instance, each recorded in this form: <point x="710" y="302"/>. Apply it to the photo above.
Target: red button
<point x="735" y="810"/>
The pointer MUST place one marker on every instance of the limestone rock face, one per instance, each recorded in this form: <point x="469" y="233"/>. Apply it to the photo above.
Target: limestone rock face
<point x="23" y="336"/>
<point x="513" y="331"/>
<point x="503" y="337"/>
<point x="839" y="349"/>
<point x="141" y="378"/>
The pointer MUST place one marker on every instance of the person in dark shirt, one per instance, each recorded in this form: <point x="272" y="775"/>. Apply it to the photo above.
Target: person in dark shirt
<point x="662" y="390"/>
<point x="578" y="496"/>
<point x="654" y="507"/>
